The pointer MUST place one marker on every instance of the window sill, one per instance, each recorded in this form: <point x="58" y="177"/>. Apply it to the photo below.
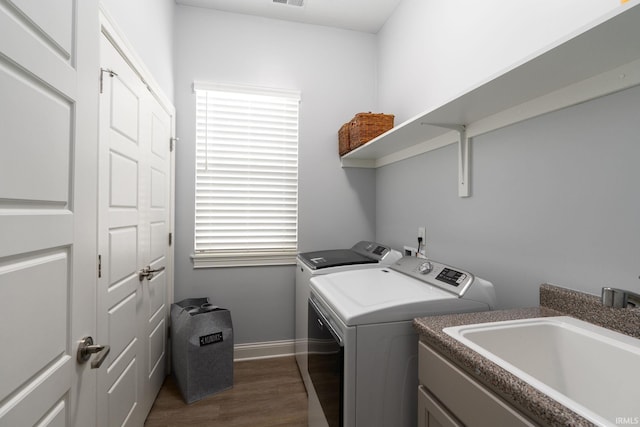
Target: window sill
<point x="207" y="260"/>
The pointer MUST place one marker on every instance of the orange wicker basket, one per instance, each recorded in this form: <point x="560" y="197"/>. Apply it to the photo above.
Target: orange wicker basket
<point x="366" y="126"/>
<point x="343" y="139"/>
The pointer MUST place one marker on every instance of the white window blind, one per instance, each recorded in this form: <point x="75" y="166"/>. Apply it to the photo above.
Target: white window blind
<point x="246" y="209"/>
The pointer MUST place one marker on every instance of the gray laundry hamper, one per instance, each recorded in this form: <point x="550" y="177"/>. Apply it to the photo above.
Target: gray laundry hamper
<point x="201" y="347"/>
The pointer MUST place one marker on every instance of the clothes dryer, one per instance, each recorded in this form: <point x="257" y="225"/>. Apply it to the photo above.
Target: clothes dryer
<point x="362" y="255"/>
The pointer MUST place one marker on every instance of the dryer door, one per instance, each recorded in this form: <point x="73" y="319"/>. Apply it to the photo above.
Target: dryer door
<point x="326" y="366"/>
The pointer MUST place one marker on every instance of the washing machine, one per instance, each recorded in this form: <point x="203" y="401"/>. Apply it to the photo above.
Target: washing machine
<point x="362" y="348"/>
<point x="362" y="255"/>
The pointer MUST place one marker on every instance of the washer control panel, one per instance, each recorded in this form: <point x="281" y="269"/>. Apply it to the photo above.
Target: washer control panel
<point x="452" y="277"/>
<point x="449" y="278"/>
<point x="371" y="250"/>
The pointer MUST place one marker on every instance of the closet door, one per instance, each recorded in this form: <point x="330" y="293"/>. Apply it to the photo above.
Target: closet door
<point x="133" y="238"/>
<point x="156" y="287"/>
<point x="48" y="154"/>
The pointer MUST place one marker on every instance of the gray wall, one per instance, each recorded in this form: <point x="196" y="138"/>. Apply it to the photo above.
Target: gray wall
<point x="148" y="26"/>
<point x="431" y="51"/>
<point x="554" y="199"/>
<point x="335" y="72"/>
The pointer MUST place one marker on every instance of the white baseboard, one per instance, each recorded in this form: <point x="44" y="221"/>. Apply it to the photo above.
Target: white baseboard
<point x="263" y="350"/>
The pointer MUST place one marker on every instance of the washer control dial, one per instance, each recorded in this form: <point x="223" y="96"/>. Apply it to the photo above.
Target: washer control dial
<point x="425" y="267"/>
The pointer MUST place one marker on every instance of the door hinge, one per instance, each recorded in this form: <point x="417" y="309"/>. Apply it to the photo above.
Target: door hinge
<point x="170" y="238"/>
<point x="105" y="70"/>
<point x="172" y="143"/>
<point x="99" y="266"/>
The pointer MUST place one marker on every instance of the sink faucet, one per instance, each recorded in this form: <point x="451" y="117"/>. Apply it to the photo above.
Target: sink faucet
<point x="619" y="298"/>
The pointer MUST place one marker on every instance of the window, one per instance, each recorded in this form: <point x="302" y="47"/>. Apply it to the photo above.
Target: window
<point x="246" y="200"/>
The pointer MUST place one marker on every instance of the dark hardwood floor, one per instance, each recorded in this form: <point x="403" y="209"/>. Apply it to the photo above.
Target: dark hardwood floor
<point x="265" y="393"/>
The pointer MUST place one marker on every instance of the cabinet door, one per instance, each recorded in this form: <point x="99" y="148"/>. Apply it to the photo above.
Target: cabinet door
<point x="471" y="402"/>
<point x="431" y="413"/>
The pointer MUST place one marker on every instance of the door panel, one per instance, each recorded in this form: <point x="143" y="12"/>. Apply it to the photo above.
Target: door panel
<point x="56" y="417"/>
<point x="47" y="211"/>
<point x="124" y="179"/>
<point x="125" y="104"/>
<point x="122" y="337"/>
<point x="158" y="189"/>
<point x="53" y="18"/>
<point x="157" y="295"/>
<point x="123" y="259"/>
<point x="157" y="350"/>
<point x="155" y="323"/>
<point x="26" y="40"/>
<point x="119" y="233"/>
<point x="30" y="98"/>
<point x="158" y="241"/>
<point x="46" y="276"/>
<point x="134" y="223"/>
<point x="26" y="231"/>
<point x="122" y="397"/>
<point x="49" y="393"/>
<point x="156" y="346"/>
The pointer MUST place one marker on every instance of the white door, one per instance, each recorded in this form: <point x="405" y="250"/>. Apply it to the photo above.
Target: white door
<point x="156" y="254"/>
<point x="48" y="148"/>
<point x="133" y="238"/>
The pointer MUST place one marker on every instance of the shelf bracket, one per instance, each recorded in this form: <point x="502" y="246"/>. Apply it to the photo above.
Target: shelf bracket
<point x="463" y="163"/>
<point x="463" y="156"/>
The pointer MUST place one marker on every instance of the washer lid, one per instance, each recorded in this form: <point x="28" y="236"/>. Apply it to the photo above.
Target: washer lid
<point x="334" y="258"/>
<point x="363" y="252"/>
<point x="380" y="295"/>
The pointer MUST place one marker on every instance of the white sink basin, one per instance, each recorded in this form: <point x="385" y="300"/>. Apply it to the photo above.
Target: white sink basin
<point x="591" y="370"/>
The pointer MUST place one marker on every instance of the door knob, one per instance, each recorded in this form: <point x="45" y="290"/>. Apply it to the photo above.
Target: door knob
<point x="148" y="272"/>
<point x="86" y="348"/>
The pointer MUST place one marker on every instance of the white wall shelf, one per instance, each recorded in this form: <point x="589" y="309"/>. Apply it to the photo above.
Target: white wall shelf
<point x="601" y="58"/>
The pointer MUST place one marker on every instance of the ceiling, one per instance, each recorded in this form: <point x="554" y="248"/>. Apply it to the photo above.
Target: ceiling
<point x="358" y="15"/>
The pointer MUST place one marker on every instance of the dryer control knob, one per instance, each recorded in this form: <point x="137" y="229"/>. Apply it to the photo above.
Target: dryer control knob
<point x="425" y="267"/>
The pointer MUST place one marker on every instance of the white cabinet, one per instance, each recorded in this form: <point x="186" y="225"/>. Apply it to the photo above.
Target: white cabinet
<point x="601" y="58"/>
<point x="449" y="397"/>
<point x="431" y="413"/>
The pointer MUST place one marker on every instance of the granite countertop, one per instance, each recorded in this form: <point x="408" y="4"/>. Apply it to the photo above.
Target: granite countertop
<point x="555" y="301"/>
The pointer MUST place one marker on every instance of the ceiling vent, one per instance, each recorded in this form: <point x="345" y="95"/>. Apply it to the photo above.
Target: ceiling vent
<point x="298" y="3"/>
